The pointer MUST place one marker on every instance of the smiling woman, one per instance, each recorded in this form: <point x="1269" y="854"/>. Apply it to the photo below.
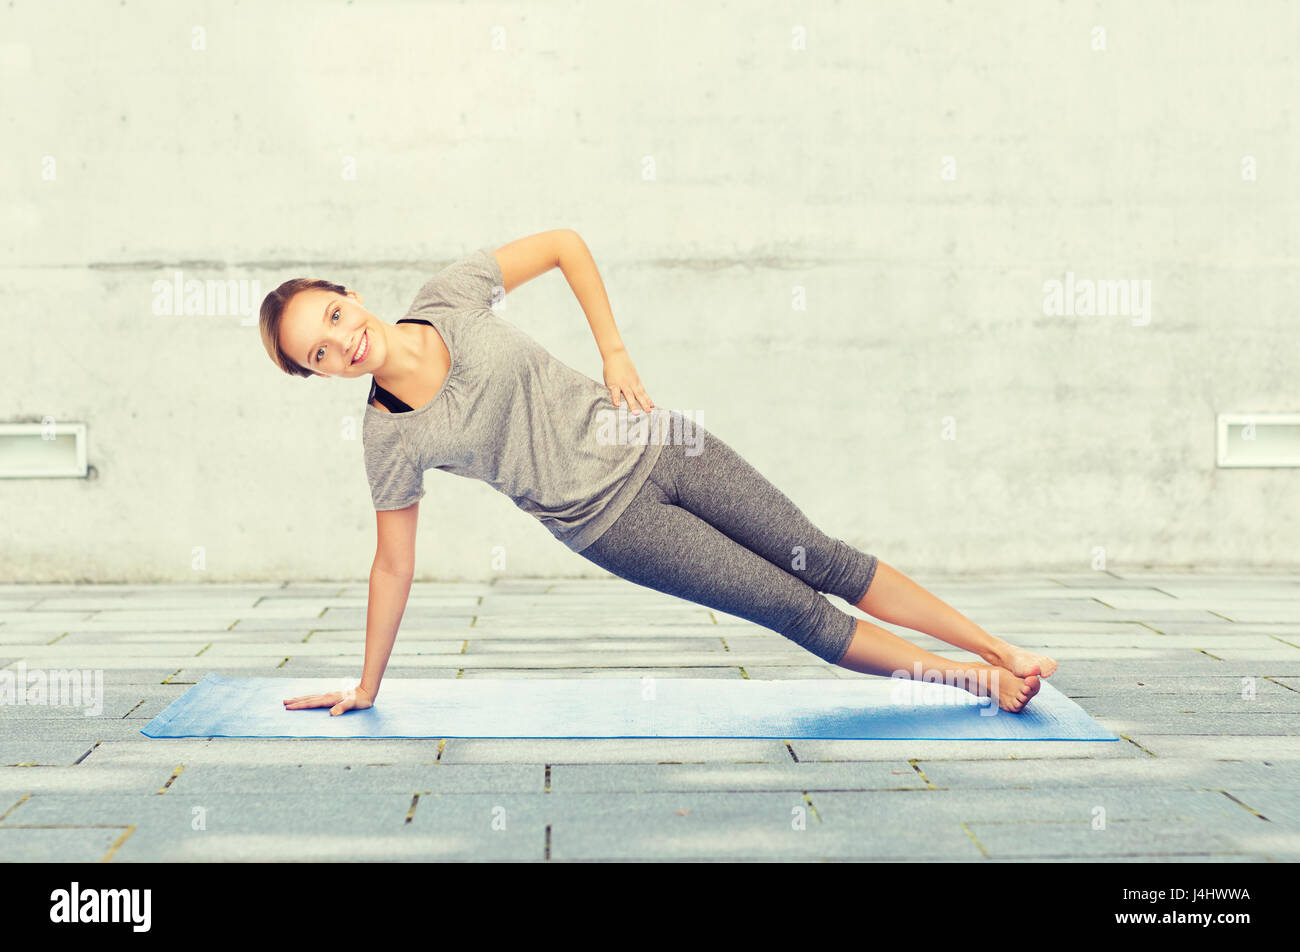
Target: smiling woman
<point x="459" y="389"/>
<point x="272" y="315"/>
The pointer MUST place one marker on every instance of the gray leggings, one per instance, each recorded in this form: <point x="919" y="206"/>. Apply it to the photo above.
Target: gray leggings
<point x="710" y="528"/>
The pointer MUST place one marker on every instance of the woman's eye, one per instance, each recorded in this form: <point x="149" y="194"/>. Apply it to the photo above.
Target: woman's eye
<point x="333" y="317"/>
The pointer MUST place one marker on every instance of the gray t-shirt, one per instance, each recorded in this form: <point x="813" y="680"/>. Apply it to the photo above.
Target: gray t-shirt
<point x="512" y="415"/>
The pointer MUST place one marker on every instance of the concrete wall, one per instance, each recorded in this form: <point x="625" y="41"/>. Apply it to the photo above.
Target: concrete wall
<point x="912" y="173"/>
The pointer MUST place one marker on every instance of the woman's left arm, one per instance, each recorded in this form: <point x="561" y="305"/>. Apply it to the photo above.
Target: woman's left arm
<point x="526" y="258"/>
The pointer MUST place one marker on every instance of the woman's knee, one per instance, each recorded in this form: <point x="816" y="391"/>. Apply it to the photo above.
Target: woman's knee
<point x="836" y="567"/>
<point x="816" y="625"/>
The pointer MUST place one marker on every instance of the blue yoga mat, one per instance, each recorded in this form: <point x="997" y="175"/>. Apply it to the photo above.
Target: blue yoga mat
<point x="869" y="708"/>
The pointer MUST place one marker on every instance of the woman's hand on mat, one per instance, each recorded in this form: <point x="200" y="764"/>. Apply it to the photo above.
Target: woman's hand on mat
<point x="353" y="699"/>
<point x="622" y="380"/>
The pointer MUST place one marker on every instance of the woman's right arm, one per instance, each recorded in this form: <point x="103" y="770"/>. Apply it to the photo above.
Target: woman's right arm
<point x="388" y="594"/>
<point x="390" y="586"/>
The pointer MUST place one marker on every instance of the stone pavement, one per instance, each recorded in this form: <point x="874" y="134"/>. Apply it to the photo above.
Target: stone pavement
<point x="1199" y="673"/>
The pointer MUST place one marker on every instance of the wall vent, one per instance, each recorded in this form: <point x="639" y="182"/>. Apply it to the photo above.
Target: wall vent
<point x="1259" y="439"/>
<point x="30" y="450"/>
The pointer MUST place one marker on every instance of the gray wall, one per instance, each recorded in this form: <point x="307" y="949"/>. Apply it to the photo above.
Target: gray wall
<point x="775" y="168"/>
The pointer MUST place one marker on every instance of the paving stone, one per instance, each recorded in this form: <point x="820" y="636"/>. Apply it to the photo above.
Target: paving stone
<point x="68" y="654"/>
<point x="413" y="617"/>
<point x="1279" y="804"/>
<point x="519" y="629"/>
<point x="108" y="702"/>
<point x="647" y="611"/>
<point x="269" y="668"/>
<point x="1272" y="748"/>
<point x="812" y="749"/>
<point x="1191" y="663"/>
<point x="1130" y="598"/>
<point x="302" y="812"/>
<point x="22" y="638"/>
<point x="1026" y="824"/>
<point x="613" y="750"/>
<point x="1217" y="689"/>
<point x="345" y="779"/>
<point x="1245" y="723"/>
<point x="333" y="668"/>
<point x="160" y="603"/>
<point x="20" y="844"/>
<point x="341" y="845"/>
<point x="1102" y="774"/>
<point x="309" y="589"/>
<point x="82" y="779"/>
<point x="285" y="605"/>
<point x="19" y="620"/>
<point x="263" y="751"/>
<point x="677" y="825"/>
<point x="1098" y="580"/>
<point x="405" y="637"/>
<point x="593" y="646"/>
<point x="1197" y="708"/>
<point x="357" y="623"/>
<point x="42" y="589"/>
<point x="1209" y="576"/>
<point x="1248" y="614"/>
<point x="1143" y="858"/>
<point x="768" y="672"/>
<point x="1147" y="639"/>
<point x="141" y="662"/>
<point x="643" y="778"/>
<point x="1278" y="846"/>
<point x="1066" y="840"/>
<point x="87" y="729"/>
<point x="640" y="672"/>
<point x="435" y="588"/>
<point x="197" y="625"/>
<point x="93" y="641"/>
<point x="1250" y="655"/>
<point x="353" y="649"/>
<point x="19" y="749"/>
<point x="589" y="659"/>
<point x="491" y="826"/>
<point x="686" y="824"/>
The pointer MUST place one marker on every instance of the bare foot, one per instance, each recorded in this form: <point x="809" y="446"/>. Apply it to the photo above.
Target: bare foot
<point x="1013" y="692"/>
<point x="1020" y="662"/>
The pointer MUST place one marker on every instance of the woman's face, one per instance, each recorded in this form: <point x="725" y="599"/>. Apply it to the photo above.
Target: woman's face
<point x="327" y="332"/>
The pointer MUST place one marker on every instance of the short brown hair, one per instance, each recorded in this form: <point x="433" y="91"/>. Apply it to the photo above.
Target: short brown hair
<point x="273" y="306"/>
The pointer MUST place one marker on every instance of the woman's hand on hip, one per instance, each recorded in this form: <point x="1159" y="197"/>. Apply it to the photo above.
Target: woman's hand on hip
<point x="623" y="382"/>
<point x="353" y="699"/>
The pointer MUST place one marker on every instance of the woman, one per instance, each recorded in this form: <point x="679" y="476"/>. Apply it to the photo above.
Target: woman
<point x="637" y="490"/>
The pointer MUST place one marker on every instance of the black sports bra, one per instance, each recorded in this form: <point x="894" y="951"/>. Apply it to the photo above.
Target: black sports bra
<point x="377" y="392"/>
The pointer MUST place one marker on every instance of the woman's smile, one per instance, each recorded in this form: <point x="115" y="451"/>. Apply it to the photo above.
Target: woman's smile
<point x="363" y="348"/>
